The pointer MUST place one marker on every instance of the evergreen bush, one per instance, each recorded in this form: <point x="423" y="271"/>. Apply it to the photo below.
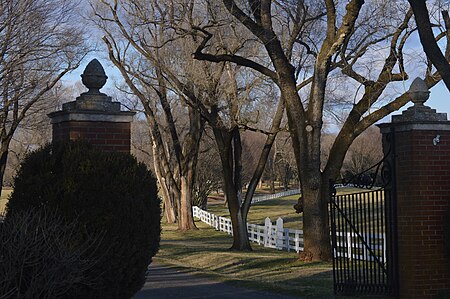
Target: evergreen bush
<point x="39" y="259"/>
<point x="108" y="193"/>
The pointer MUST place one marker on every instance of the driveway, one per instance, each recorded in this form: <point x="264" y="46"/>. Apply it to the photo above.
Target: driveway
<point x="172" y="283"/>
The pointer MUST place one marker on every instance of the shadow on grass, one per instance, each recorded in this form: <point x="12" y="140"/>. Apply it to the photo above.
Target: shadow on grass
<point x="314" y="286"/>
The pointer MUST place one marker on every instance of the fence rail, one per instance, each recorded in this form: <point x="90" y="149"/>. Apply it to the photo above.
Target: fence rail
<point x="275" y="195"/>
<point x="275" y="235"/>
<point x="269" y="235"/>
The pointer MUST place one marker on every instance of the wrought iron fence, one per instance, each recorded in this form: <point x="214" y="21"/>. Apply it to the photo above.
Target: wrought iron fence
<point x="371" y="266"/>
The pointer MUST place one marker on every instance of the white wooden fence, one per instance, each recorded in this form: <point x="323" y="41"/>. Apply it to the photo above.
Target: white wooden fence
<point x="350" y="246"/>
<point x="269" y="235"/>
<point x="275" y="195"/>
<point x="274" y="235"/>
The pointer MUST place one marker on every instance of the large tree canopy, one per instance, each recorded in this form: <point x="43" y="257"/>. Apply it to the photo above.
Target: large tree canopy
<point x="307" y="44"/>
<point x="315" y="58"/>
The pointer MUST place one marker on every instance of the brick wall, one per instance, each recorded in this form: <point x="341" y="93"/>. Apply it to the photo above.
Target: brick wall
<point x="107" y="136"/>
<point x="423" y="185"/>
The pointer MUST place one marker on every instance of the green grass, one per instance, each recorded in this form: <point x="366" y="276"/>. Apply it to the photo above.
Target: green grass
<point x="274" y="208"/>
<point x="206" y="251"/>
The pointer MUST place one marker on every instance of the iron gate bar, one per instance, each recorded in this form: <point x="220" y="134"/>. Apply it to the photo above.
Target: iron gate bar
<point x="357" y="232"/>
<point x="369" y="265"/>
<point x="351" y="272"/>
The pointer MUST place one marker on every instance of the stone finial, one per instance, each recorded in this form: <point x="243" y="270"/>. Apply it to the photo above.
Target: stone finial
<point x="418" y="91"/>
<point x="94" y="77"/>
<point x="419" y="94"/>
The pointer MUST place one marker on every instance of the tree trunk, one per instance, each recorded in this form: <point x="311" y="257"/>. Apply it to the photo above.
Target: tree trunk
<point x="3" y="160"/>
<point x="188" y="167"/>
<point x="238" y="219"/>
<point x="169" y="207"/>
<point x="316" y="233"/>
<point x="286" y="177"/>
<point x="428" y="41"/>
<point x="167" y="194"/>
<point x="240" y="233"/>
<point x="272" y="185"/>
<point x="185" y="217"/>
<point x="230" y="154"/>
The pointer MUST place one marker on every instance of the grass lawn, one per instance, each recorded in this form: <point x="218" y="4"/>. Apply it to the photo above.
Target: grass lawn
<point x="274" y="208"/>
<point x="206" y="251"/>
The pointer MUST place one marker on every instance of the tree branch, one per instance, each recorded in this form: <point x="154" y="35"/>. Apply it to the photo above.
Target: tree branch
<point x="428" y="40"/>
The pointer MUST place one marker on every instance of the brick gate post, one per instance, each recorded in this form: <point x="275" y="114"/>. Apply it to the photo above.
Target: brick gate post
<point x="93" y="116"/>
<point x="422" y="142"/>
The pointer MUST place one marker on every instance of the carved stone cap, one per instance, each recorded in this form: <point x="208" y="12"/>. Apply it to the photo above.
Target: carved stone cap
<point x="419" y="94"/>
<point x="94" y="77"/>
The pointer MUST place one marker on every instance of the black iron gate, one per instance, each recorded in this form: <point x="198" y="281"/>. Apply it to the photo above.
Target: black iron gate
<point x="363" y="231"/>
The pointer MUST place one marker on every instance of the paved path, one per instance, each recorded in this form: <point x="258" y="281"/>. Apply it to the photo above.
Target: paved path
<point x="174" y="283"/>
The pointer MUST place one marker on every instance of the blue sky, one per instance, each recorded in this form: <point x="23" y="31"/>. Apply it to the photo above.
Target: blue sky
<point x="439" y="96"/>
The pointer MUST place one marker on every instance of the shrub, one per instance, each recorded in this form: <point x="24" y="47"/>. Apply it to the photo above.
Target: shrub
<point x="38" y="258"/>
<point x="105" y="192"/>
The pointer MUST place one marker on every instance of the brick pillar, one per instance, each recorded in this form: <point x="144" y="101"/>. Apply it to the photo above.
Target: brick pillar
<point x="422" y="142"/>
<point x="93" y="116"/>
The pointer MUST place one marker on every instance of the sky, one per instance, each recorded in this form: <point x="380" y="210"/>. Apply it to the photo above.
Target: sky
<point x="440" y="98"/>
<point x="439" y="95"/>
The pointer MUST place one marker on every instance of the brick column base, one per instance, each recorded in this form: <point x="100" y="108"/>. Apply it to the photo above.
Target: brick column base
<point x="107" y="136"/>
<point x="108" y="131"/>
<point x="423" y="198"/>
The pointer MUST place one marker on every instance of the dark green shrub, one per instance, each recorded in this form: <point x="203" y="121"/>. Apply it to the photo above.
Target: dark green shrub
<point x="39" y="259"/>
<point x="107" y="193"/>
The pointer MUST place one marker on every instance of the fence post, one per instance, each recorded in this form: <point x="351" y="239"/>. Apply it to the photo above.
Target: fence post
<point x="267" y="231"/>
<point x="279" y="235"/>
<point x="286" y="239"/>
<point x="297" y="242"/>
<point x="216" y="222"/>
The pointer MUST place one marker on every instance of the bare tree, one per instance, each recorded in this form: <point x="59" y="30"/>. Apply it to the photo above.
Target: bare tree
<point x="39" y="44"/>
<point x="209" y="171"/>
<point x="364" y="152"/>
<point x="35" y="131"/>
<point x="284" y="161"/>
<point x="134" y="35"/>
<point x="164" y="34"/>
<point x="306" y="42"/>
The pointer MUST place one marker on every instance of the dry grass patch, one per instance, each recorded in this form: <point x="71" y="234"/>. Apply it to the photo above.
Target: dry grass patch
<point x="4" y="198"/>
<point x="280" y="207"/>
<point x="206" y="251"/>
